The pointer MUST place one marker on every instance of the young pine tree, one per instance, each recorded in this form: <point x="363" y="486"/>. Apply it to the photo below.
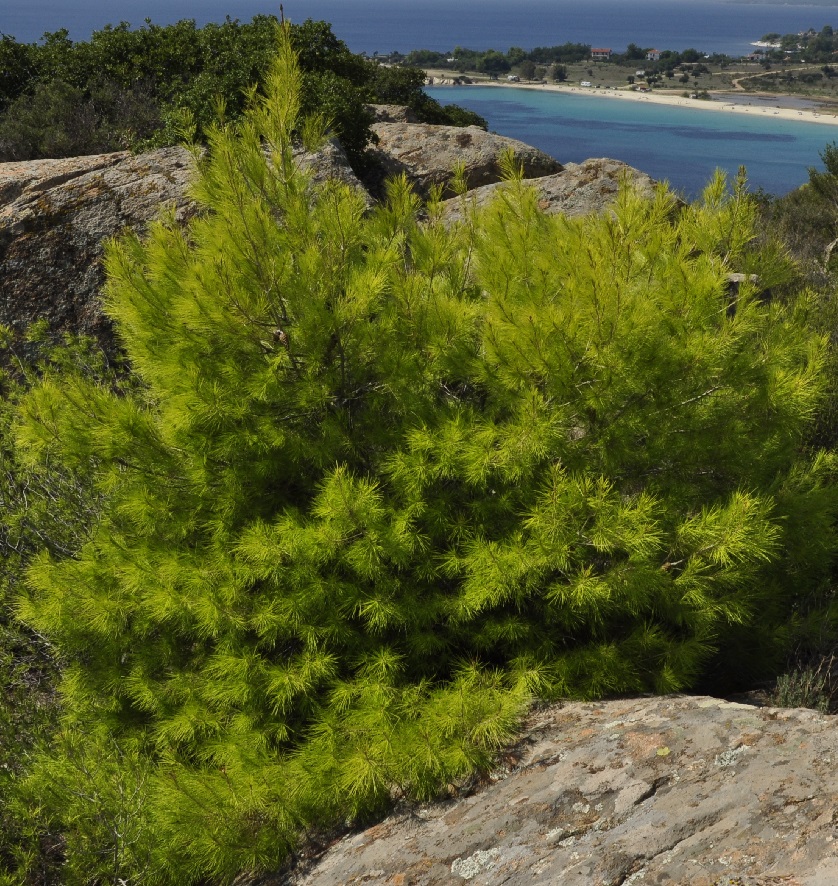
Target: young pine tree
<point x="384" y="482"/>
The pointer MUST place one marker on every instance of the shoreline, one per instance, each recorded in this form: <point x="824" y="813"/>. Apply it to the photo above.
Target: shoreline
<point x="734" y="105"/>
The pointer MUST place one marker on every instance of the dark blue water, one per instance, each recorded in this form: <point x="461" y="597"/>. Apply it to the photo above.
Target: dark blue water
<point x="387" y="25"/>
<point x="681" y="145"/>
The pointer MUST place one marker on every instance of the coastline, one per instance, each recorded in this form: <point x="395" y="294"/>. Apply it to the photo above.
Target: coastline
<point x="727" y="102"/>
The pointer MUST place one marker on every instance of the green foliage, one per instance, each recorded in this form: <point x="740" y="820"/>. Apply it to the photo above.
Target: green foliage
<point x="404" y="86"/>
<point x="567" y="52"/>
<point x="805" y="224"/>
<point x="59" y="120"/>
<point x="825" y="182"/>
<point x="124" y="84"/>
<point x="88" y="797"/>
<point x="42" y="507"/>
<point x="493" y="62"/>
<point x="805" y="221"/>
<point x="805" y="688"/>
<point x="383" y="482"/>
<point x="129" y="88"/>
<point x="27" y="717"/>
<point x="16" y="68"/>
<point x="474" y="60"/>
<point x="426" y="58"/>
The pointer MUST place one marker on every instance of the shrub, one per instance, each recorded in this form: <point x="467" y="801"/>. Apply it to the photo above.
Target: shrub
<point x="134" y="88"/>
<point x="804" y="688"/>
<point x="385" y="482"/>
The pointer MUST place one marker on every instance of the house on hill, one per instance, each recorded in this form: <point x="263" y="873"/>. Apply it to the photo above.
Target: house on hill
<point x="653" y="55"/>
<point x="601" y="54"/>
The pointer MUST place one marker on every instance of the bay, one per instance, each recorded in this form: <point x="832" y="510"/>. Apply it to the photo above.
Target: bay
<point x="401" y="25"/>
<point x="683" y="146"/>
<point x="674" y="144"/>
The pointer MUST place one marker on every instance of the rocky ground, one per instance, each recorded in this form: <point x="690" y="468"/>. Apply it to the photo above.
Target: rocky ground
<point x="672" y="790"/>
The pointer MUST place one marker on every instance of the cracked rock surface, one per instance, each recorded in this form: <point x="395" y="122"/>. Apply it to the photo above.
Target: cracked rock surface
<point x="579" y="189"/>
<point x="427" y="155"/>
<point x="671" y="790"/>
<point x="55" y="216"/>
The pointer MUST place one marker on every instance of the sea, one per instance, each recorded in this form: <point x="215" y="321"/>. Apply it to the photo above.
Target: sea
<point x="401" y="25"/>
<point x="669" y="143"/>
<point x="681" y="145"/>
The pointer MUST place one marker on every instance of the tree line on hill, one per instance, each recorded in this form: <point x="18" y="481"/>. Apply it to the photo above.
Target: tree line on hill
<point x="550" y="62"/>
<point x="810" y="45"/>
<point x="547" y="61"/>
<point x="139" y="88"/>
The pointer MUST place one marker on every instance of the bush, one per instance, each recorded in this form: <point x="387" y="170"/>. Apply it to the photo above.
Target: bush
<point x="385" y="482"/>
<point x="135" y="88"/>
<point x="405" y="86"/>
<point x="804" y="688"/>
<point x="59" y="120"/>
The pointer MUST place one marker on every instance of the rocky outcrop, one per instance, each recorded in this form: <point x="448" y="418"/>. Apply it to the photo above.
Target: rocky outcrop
<point x="579" y="189"/>
<point x="448" y="81"/>
<point x="427" y="155"/>
<point x="55" y="216"/>
<point x="329" y="163"/>
<point x="392" y="114"/>
<point x="673" y="790"/>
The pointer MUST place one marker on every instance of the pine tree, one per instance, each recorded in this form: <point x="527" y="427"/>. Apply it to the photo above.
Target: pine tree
<point x="384" y="482"/>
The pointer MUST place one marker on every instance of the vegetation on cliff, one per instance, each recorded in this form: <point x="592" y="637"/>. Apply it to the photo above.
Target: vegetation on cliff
<point x="377" y="484"/>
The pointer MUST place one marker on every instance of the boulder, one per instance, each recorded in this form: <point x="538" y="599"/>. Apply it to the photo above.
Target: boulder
<point x="392" y="114"/>
<point x="427" y="155"/>
<point x="330" y="163"/>
<point x="55" y="216"/>
<point x="579" y="189"/>
<point x="669" y="790"/>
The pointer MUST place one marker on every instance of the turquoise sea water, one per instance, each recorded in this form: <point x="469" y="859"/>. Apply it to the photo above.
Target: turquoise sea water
<point x="387" y="25"/>
<point x="682" y="145"/>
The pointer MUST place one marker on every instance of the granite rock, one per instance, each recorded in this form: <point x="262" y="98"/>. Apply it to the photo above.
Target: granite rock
<point x="668" y="790"/>
<point x="579" y="189"/>
<point x="55" y="216"/>
<point x="392" y="114"/>
<point x="427" y="155"/>
<point x="329" y="163"/>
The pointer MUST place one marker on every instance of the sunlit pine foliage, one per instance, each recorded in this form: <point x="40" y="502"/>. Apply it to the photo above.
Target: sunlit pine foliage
<point x="387" y="481"/>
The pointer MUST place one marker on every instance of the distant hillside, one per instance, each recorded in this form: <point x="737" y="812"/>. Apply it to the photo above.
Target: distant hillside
<point x="825" y="3"/>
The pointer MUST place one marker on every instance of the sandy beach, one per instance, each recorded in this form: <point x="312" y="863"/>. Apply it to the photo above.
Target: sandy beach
<point x="732" y="102"/>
